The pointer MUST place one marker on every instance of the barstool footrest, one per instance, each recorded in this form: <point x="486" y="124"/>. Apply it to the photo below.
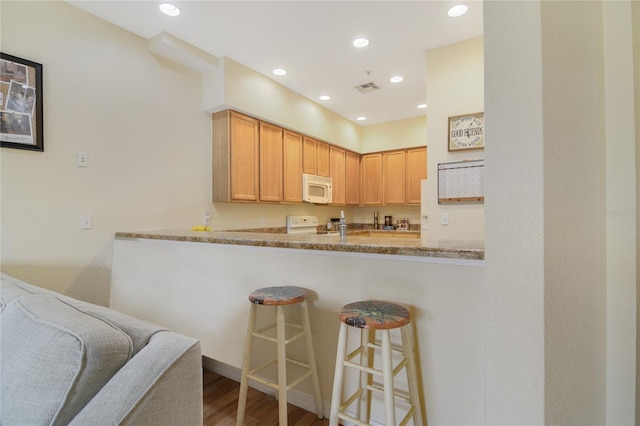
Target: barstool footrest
<point x="398" y="394"/>
<point x="253" y="376"/>
<point x="352" y="398"/>
<point x="260" y="333"/>
<point x="351" y="419"/>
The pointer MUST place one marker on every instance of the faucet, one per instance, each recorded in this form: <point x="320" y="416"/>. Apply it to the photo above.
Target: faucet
<point x="343" y="225"/>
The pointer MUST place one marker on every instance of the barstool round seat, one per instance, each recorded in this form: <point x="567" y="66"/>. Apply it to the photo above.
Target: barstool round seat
<point x="375" y="314"/>
<point x="274" y="296"/>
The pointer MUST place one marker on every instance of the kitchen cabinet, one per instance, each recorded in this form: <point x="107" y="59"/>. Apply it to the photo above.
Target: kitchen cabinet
<point x="372" y="179"/>
<point x="394" y="177"/>
<point x="416" y="172"/>
<point x="315" y="157"/>
<point x="352" y="178"/>
<point x="323" y="160"/>
<point x="235" y="157"/>
<point x="270" y="154"/>
<point x="310" y="156"/>
<point x="337" y="174"/>
<point x="292" y="167"/>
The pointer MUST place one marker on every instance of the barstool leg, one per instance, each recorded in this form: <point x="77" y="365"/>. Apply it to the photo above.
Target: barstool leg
<point x="387" y="380"/>
<point x="282" y="366"/>
<point x="246" y="365"/>
<point x="414" y="390"/>
<point x="306" y="324"/>
<point x="366" y="337"/>
<point x="336" y="396"/>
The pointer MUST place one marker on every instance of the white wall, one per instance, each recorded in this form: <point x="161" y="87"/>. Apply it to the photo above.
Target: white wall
<point x="621" y="213"/>
<point x="410" y="132"/>
<point x="548" y="93"/>
<point x="139" y="118"/>
<point x="455" y="86"/>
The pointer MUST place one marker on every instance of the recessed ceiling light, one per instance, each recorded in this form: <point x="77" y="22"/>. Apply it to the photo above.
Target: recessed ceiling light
<point x="361" y="118"/>
<point x="361" y="42"/>
<point x="325" y="97"/>
<point x="457" y="10"/>
<point x="169" y="9"/>
<point x="396" y="79"/>
<point x="422" y="106"/>
<point x="279" y="71"/>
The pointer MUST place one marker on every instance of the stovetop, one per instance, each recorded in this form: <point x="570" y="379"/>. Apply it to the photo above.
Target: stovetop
<point x="302" y="224"/>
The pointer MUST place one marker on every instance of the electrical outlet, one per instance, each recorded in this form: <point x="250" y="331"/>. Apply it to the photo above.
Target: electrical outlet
<point x="82" y="159"/>
<point x="86" y="221"/>
<point x="207" y="218"/>
<point x="444" y="218"/>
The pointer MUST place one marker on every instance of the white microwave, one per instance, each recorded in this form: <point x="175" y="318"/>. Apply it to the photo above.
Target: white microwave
<point x="316" y="189"/>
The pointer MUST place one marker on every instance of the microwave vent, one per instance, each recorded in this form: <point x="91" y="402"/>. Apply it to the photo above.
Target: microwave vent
<point x="367" y="87"/>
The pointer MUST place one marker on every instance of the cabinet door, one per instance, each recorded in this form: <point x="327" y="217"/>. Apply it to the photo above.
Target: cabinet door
<point x="416" y="171"/>
<point x="337" y="174"/>
<point x="394" y="175"/>
<point x="372" y="179"/>
<point x="292" y="168"/>
<point x="352" y="178"/>
<point x="322" y="161"/>
<point x="270" y="162"/>
<point x="310" y="156"/>
<point x="243" y="147"/>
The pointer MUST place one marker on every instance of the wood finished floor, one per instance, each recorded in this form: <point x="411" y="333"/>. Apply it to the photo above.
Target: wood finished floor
<point x="220" y="405"/>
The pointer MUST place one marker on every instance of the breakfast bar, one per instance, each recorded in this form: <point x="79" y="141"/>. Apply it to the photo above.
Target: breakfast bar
<point x="406" y="243"/>
<point x="196" y="283"/>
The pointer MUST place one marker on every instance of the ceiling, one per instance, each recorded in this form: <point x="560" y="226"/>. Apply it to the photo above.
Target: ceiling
<point x="312" y="40"/>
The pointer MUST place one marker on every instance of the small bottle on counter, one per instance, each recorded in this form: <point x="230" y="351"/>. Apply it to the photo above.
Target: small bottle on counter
<point x="343" y="225"/>
<point x="375" y="220"/>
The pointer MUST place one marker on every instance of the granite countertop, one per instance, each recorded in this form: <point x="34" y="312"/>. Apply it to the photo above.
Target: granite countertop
<point x="406" y="243"/>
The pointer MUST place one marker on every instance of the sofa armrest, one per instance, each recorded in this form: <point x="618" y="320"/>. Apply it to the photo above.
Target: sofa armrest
<point x="161" y="385"/>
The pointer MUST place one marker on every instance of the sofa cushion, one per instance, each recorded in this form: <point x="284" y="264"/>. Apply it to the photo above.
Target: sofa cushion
<point x="54" y="359"/>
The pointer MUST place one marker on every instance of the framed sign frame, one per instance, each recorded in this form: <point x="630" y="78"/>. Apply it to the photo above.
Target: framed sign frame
<point x="466" y="132"/>
<point x="21" y="108"/>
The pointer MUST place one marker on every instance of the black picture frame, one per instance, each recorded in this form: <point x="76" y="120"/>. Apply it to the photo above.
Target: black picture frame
<point x="21" y="107"/>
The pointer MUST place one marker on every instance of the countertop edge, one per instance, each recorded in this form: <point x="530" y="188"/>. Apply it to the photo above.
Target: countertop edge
<point x="352" y="244"/>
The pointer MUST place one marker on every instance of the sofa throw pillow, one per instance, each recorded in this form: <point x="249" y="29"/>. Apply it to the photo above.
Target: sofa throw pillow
<point x="54" y="360"/>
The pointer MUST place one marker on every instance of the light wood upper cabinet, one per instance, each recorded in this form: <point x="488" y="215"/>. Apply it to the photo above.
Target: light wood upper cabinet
<point x="292" y="168"/>
<point x="310" y="156"/>
<point x="315" y="155"/>
<point x="323" y="160"/>
<point x="352" y="178"/>
<point x="337" y="174"/>
<point x="394" y="177"/>
<point x="270" y="162"/>
<point x="416" y="172"/>
<point x="372" y="179"/>
<point x="235" y="157"/>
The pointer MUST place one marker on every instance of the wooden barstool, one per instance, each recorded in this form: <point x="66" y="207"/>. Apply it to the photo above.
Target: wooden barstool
<point x="376" y="315"/>
<point x="278" y="297"/>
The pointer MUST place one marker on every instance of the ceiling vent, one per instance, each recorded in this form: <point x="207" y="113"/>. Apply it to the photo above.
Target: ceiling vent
<point x="367" y="87"/>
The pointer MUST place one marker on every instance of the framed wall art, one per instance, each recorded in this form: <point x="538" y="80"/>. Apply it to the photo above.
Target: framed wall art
<point x="21" y="114"/>
<point x="466" y="132"/>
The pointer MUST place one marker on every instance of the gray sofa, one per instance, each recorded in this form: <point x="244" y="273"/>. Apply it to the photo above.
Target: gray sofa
<point x="64" y="361"/>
